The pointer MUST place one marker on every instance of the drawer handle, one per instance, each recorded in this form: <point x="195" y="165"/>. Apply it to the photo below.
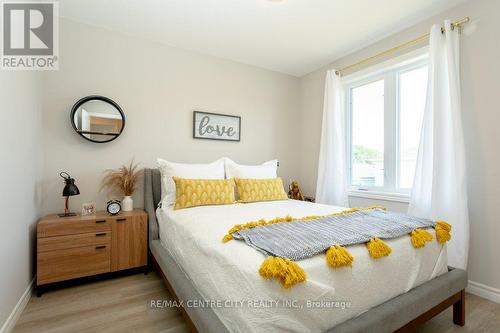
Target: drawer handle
<point x="100" y="247"/>
<point x="101" y="234"/>
<point x="100" y="221"/>
<point x="121" y="220"/>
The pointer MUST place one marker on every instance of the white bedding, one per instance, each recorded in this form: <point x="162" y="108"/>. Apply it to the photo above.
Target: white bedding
<point x="229" y="271"/>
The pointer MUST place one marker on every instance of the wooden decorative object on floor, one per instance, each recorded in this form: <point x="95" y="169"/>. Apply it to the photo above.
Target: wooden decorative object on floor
<point x="78" y="246"/>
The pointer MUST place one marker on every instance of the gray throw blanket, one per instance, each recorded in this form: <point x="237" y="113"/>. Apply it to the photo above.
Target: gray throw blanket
<point x="298" y="240"/>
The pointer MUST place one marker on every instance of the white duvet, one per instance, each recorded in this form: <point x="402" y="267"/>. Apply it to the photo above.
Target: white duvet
<point x="227" y="274"/>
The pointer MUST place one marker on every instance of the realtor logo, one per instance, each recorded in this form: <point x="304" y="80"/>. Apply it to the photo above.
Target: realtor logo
<point x="29" y="35"/>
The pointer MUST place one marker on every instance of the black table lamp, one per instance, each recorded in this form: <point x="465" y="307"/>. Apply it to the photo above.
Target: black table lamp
<point x="69" y="190"/>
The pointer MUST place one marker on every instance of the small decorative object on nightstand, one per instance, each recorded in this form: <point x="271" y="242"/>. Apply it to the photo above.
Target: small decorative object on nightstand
<point x="78" y="246"/>
<point x="88" y="208"/>
<point x="69" y="190"/>
<point x="113" y="207"/>
<point x="122" y="181"/>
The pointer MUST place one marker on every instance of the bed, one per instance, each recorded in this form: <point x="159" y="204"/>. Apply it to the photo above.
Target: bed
<point x="396" y="293"/>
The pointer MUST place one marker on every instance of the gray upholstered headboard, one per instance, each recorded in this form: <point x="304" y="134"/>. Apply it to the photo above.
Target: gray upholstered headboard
<point x="152" y="196"/>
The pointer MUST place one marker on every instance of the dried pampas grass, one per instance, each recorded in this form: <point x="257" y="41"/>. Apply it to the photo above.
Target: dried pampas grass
<point x="122" y="180"/>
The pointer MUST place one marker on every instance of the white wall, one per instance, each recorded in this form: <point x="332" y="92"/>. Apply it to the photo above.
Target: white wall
<point x="480" y="70"/>
<point x="158" y="87"/>
<point x="20" y="171"/>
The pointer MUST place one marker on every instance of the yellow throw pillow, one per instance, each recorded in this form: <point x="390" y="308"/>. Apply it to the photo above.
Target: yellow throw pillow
<point x="203" y="192"/>
<point x="252" y="190"/>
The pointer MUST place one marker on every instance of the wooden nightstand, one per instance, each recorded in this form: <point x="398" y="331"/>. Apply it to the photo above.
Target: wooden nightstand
<point x="78" y="246"/>
<point x="309" y="199"/>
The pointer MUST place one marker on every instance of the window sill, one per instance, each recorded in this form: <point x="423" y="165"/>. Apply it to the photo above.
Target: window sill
<point x="387" y="196"/>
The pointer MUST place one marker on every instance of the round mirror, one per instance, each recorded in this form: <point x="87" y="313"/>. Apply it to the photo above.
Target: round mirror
<point x="97" y="119"/>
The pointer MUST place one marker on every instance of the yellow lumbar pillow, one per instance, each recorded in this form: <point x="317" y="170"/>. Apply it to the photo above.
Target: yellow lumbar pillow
<point x="203" y="192"/>
<point x="252" y="190"/>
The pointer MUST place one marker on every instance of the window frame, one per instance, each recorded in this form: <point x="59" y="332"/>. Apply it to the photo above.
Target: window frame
<point x="389" y="72"/>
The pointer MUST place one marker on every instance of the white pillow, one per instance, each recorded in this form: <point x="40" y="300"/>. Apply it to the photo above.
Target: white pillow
<point x="266" y="170"/>
<point x="214" y="170"/>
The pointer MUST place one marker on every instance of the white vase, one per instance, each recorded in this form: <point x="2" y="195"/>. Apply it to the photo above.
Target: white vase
<point x="127" y="204"/>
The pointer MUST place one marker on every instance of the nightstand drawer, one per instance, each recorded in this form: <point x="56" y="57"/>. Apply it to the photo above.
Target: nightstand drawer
<point x="77" y="246"/>
<point x="67" y="264"/>
<point x="72" y="227"/>
<point x="71" y="241"/>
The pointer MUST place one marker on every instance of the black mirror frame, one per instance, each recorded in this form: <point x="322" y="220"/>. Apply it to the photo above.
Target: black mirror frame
<point x="99" y="98"/>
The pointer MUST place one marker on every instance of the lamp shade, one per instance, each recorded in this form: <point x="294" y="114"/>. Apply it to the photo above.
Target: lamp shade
<point x="70" y="188"/>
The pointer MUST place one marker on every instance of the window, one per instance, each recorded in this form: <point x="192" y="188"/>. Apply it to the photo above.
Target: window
<point x="385" y="113"/>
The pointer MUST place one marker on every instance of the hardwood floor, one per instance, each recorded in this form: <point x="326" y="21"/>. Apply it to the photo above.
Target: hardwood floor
<point x="481" y="315"/>
<point x="123" y="304"/>
<point x="115" y="305"/>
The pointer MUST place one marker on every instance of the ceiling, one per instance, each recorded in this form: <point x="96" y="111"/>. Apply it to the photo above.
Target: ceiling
<point x="289" y="36"/>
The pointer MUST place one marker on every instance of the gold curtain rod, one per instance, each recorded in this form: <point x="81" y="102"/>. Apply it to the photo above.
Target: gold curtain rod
<point x="418" y="40"/>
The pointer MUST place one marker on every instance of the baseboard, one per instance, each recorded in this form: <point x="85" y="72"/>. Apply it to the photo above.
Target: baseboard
<point x="11" y="321"/>
<point x="484" y="291"/>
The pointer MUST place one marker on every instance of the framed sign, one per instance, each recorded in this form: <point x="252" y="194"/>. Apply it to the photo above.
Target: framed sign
<point x="216" y="126"/>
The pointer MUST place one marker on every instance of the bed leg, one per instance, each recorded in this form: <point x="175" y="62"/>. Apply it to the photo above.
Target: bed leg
<point x="459" y="310"/>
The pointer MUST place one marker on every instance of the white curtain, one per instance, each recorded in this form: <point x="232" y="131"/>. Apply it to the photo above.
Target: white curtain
<point x="439" y="190"/>
<point x="331" y="186"/>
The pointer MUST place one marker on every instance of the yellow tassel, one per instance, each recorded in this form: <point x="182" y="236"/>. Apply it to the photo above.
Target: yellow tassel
<point x="227" y="238"/>
<point x="287" y="272"/>
<point x="338" y="256"/>
<point x="419" y="237"/>
<point x="378" y="248"/>
<point x="442" y="231"/>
